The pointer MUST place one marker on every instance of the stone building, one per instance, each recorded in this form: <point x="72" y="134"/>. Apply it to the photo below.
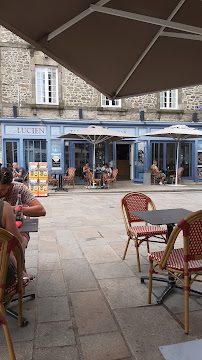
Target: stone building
<point x="40" y="100"/>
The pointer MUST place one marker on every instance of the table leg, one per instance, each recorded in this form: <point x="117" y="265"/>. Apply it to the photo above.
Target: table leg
<point x="60" y="187"/>
<point x="171" y="282"/>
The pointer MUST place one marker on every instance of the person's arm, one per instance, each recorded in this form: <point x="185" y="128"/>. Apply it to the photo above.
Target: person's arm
<point x="34" y="209"/>
<point x="8" y="222"/>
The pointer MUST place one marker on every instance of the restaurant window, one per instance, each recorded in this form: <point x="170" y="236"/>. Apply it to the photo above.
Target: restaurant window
<point x="11" y="152"/>
<point x="105" y="102"/>
<point x="35" y="151"/>
<point x="46" y="85"/>
<point x="169" y="99"/>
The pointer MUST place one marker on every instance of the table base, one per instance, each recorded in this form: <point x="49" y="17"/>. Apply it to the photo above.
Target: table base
<point x="171" y="283"/>
<point x="61" y="189"/>
<point x="14" y="314"/>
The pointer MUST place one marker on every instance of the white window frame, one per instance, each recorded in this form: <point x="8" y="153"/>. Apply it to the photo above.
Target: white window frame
<point x="43" y="99"/>
<point x="105" y="102"/>
<point x="169" y="99"/>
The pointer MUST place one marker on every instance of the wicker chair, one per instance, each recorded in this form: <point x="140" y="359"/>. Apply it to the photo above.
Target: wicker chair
<point x="7" y="243"/>
<point x="154" y="176"/>
<point x="52" y="181"/>
<point x="69" y="178"/>
<point x="112" y="179"/>
<point x="135" y="201"/>
<point x="184" y="264"/>
<point x="179" y="174"/>
<point x="199" y="172"/>
<point x="26" y="179"/>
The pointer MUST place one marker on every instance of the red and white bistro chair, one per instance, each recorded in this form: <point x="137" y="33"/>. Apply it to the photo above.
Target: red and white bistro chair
<point x="136" y="201"/>
<point x="183" y="264"/>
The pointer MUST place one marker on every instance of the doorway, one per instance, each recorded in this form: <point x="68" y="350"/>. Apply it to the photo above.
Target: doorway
<point x="122" y="161"/>
<point x="81" y="157"/>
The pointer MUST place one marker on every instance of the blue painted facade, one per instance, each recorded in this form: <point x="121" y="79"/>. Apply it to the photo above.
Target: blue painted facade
<point x="20" y="130"/>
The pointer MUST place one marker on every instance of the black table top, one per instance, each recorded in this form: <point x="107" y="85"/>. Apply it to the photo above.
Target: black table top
<point x="29" y="225"/>
<point x="162" y="217"/>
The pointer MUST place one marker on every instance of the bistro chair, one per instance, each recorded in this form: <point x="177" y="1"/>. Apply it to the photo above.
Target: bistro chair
<point x="154" y="177"/>
<point x="112" y="179"/>
<point x="9" y="243"/>
<point x="183" y="264"/>
<point x="179" y="175"/>
<point x="69" y="178"/>
<point x="52" y="180"/>
<point x="26" y="179"/>
<point x="135" y="201"/>
<point x="92" y="180"/>
<point x="199" y="172"/>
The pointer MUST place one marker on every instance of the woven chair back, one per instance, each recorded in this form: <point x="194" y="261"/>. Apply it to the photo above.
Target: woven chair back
<point x="180" y="171"/>
<point x="8" y="242"/>
<point x="193" y="230"/>
<point x="71" y="172"/>
<point x="135" y="202"/>
<point x="114" y="173"/>
<point x="191" y="227"/>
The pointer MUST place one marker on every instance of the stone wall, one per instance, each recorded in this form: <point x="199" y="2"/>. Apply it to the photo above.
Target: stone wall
<point x="17" y="84"/>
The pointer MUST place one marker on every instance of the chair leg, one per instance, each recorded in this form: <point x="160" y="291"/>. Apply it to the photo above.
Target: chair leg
<point x="8" y="337"/>
<point x="73" y="184"/>
<point x="186" y="304"/>
<point x="20" y="309"/>
<point x="108" y="184"/>
<point x="138" y="255"/>
<point x="147" y="245"/>
<point x="126" y="248"/>
<point x="150" y="281"/>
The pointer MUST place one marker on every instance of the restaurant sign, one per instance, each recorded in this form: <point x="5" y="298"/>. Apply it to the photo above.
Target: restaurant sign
<point x="25" y="130"/>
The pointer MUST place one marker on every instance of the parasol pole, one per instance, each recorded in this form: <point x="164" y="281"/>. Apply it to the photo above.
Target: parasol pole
<point x="176" y="168"/>
<point x="94" y="156"/>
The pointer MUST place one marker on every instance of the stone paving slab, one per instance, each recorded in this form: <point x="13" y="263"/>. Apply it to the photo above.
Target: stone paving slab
<point x="78" y="275"/>
<point x="23" y="350"/>
<point x="54" y="308"/>
<point x="59" y="353"/>
<point x="92" y="315"/>
<point x="109" y="346"/>
<point x="53" y="334"/>
<point x="125" y="292"/>
<point x="160" y="329"/>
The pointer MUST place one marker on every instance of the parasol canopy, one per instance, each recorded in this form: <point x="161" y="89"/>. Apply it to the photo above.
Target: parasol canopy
<point x="96" y="135"/>
<point x="122" y="48"/>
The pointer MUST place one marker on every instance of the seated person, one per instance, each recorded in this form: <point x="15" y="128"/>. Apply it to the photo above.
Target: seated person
<point x="160" y="174"/>
<point x="18" y="173"/>
<point x="7" y="222"/>
<point x="106" y="172"/>
<point x="86" y="168"/>
<point x="9" y="192"/>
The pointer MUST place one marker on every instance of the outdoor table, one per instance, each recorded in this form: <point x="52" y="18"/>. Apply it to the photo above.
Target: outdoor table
<point x="60" y="186"/>
<point x="29" y="225"/>
<point x="168" y="217"/>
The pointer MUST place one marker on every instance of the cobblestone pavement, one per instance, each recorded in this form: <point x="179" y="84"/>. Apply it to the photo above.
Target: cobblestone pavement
<point x="90" y="304"/>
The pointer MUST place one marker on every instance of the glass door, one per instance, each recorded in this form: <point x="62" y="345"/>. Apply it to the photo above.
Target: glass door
<point x="140" y="160"/>
<point x="81" y="156"/>
<point x="11" y="152"/>
<point x="157" y="154"/>
<point x="186" y="159"/>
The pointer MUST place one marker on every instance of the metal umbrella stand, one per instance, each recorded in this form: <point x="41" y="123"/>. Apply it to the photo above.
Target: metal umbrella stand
<point x="177" y="133"/>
